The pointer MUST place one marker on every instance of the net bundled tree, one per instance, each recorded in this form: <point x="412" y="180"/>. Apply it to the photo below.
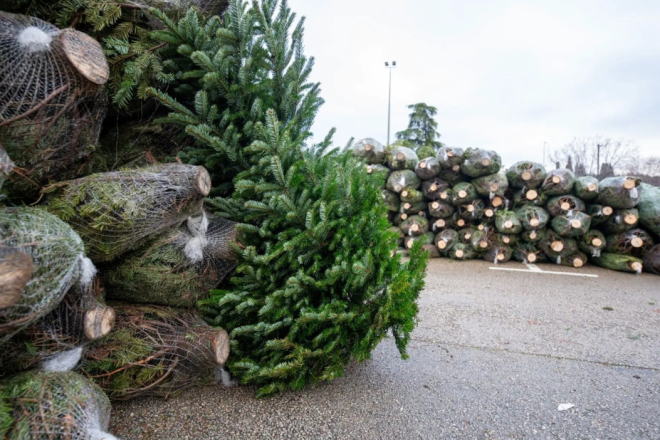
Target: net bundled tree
<point x="315" y="285"/>
<point x="52" y="101"/>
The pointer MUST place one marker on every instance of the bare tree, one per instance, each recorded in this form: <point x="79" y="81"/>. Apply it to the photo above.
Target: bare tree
<point x="582" y="154"/>
<point x="646" y="166"/>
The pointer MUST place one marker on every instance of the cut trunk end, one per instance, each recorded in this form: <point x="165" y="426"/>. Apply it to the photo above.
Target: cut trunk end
<point x="404" y="216"/>
<point x="597" y="242"/>
<point x="629" y="184"/>
<point x="456" y="168"/>
<point x="422" y="165"/>
<point x="500" y="257"/>
<point x="489" y="213"/>
<point x="533" y="235"/>
<point x="485" y="162"/>
<point x="460" y="223"/>
<point x="398" y="187"/>
<point x="534" y="222"/>
<point x="506" y="239"/>
<point x="462" y="194"/>
<point x="483" y="244"/>
<point x="98" y="322"/>
<point x="414" y="228"/>
<point x="450" y="154"/>
<point x="442" y="244"/>
<point x="565" y="206"/>
<point x="203" y="182"/>
<point x="404" y="193"/>
<point x="557" y="246"/>
<point x="407" y="206"/>
<point x="370" y="170"/>
<point x="440" y="223"/>
<point x="15" y="272"/>
<point x="607" y="210"/>
<point x="508" y="224"/>
<point x="576" y="224"/>
<point x="637" y="242"/>
<point x="531" y="257"/>
<point x="526" y="175"/>
<point x="470" y="208"/>
<point x="435" y="205"/>
<point x="220" y="346"/>
<point x="592" y="187"/>
<point x="636" y="266"/>
<point x="532" y="194"/>
<point x="443" y="196"/>
<point x="459" y="253"/>
<point x="368" y="147"/>
<point x="433" y="188"/>
<point x="497" y="201"/>
<point x="630" y="219"/>
<point x="578" y="263"/>
<point x="556" y="179"/>
<point x="400" y="157"/>
<point x="494" y="187"/>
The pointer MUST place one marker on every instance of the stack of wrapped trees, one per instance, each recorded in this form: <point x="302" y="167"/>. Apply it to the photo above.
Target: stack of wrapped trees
<point x="62" y="346"/>
<point x="462" y="205"/>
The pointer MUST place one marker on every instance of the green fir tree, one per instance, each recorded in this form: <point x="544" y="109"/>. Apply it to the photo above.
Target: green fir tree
<point x="422" y="129"/>
<point x="317" y="283"/>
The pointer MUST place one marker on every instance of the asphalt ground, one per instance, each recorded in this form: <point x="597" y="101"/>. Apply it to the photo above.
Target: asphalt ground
<point x="494" y="355"/>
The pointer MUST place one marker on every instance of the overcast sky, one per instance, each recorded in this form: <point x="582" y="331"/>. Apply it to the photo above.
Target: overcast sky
<point x="506" y="75"/>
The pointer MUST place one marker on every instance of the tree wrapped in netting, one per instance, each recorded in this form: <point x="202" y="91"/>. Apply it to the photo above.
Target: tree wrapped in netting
<point x="402" y="158"/>
<point x="649" y="208"/>
<point x="446" y="239"/>
<point x="463" y="193"/>
<point x="52" y="101"/>
<point x="472" y="211"/>
<point x="562" y="205"/>
<point x="482" y="239"/>
<point x="53" y="405"/>
<point x="619" y="262"/>
<point x="433" y="188"/>
<point x="491" y="185"/>
<point x="586" y="188"/>
<point x="528" y="253"/>
<point x="620" y="192"/>
<point x="599" y="213"/>
<point x="465" y="234"/>
<point x="576" y="260"/>
<point x="316" y="284"/>
<point x="522" y="197"/>
<point x="526" y="175"/>
<point x="58" y="262"/>
<point x="379" y="171"/>
<point x="118" y="211"/>
<point x="370" y="150"/>
<point x="391" y="200"/>
<point x="179" y="268"/>
<point x="592" y="243"/>
<point x="16" y="269"/>
<point x="411" y="195"/>
<point x="507" y="222"/>
<point x="56" y="342"/>
<point x="415" y="208"/>
<point x="156" y="351"/>
<point x="431" y="250"/>
<point x="652" y="260"/>
<point x="571" y="224"/>
<point x="635" y="242"/>
<point x="556" y="247"/>
<point x="532" y="217"/>
<point x="428" y="168"/>
<point x="462" y="251"/>
<point x="415" y="225"/>
<point x="532" y="235"/>
<point x="402" y="179"/>
<point x="449" y="157"/>
<point x="621" y="220"/>
<point x="480" y="162"/>
<point x="558" y="182"/>
<point x="498" y="253"/>
<point x="452" y="175"/>
<point x="424" y="239"/>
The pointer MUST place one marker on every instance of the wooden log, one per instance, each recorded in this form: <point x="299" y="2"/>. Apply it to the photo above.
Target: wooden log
<point x="98" y="322"/>
<point x="15" y="271"/>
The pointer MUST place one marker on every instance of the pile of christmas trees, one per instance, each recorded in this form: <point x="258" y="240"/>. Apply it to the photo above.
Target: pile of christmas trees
<point x="462" y="204"/>
<point x="109" y="284"/>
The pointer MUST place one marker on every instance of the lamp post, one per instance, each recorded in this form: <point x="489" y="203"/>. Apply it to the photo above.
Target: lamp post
<point x="389" y="99"/>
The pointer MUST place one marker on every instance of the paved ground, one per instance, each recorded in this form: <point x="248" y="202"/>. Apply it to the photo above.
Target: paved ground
<point x="494" y="355"/>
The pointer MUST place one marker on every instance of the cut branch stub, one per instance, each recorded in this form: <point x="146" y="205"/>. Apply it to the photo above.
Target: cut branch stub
<point x="86" y="55"/>
<point x="98" y="322"/>
<point x="15" y="272"/>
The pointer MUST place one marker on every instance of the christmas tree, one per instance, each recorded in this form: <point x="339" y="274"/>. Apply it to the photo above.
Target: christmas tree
<point x="317" y="283"/>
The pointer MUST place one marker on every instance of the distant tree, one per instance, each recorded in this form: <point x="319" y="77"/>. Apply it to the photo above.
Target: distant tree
<point x="422" y="128"/>
<point x="646" y="168"/>
<point x="582" y="154"/>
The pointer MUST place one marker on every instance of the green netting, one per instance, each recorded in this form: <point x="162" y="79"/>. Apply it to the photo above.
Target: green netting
<point x="649" y="208"/>
<point x="118" y="211"/>
<point x="620" y="192"/>
<point x="53" y="405"/>
<point x="480" y="162"/>
<point x="403" y="179"/>
<point x="402" y="158"/>
<point x="558" y="182"/>
<point x="529" y="175"/>
<point x="370" y="150"/>
<point x="449" y="157"/>
<point x="178" y="269"/>
<point x="427" y="168"/>
<point x="156" y="351"/>
<point x="482" y="239"/>
<point x="618" y="262"/>
<point x="425" y="152"/>
<point x="635" y="242"/>
<point x="58" y="258"/>
<point x="562" y="205"/>
<point x="586" y="188"/>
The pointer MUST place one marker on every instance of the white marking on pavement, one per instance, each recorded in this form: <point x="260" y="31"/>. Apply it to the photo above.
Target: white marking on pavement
<point x="535" y="269"/>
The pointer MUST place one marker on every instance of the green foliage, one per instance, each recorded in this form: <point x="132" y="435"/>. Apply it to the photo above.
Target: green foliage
<point x="422" y="129"/>
<point x="316" y="285"/>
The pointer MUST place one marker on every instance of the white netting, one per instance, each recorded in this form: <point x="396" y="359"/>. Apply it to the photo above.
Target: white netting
<point x="156" y="351"/>
<point x="50" y="112"/>
<point x="119" y="211"/>
<point x="57" y="254"/>
<point x="179" y="268"/>
<point x="53" y="405"/>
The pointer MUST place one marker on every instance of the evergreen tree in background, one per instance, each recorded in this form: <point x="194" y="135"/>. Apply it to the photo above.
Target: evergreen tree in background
<point x="422" y="128"/>
<point x="316" y="284"/>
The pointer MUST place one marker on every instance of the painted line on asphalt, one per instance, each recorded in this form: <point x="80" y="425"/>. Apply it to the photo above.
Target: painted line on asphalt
<point x="535" y="269"/>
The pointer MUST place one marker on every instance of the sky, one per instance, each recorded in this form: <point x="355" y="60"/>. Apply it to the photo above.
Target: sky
<point x="505" y="75"/>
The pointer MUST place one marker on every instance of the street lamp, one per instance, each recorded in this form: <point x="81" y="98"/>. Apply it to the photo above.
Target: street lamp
<point x="389" y="99"/>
